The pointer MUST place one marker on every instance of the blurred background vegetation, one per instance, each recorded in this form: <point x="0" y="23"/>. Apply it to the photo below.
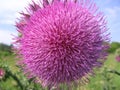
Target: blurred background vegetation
<point x="105" y="78"/>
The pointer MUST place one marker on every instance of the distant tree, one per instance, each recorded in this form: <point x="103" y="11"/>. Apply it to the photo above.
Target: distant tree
<point x="5" y="49"/>
<point x="113" y="47"/>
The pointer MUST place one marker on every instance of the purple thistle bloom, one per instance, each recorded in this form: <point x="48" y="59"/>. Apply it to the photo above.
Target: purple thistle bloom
<point x="118" y="58"/>
<point x="117" y="54"/>
<point x="2" y="73"/>
<point x="62" y="41"/>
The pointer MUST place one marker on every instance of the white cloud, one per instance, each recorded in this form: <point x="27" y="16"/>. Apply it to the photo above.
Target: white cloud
<point x="8" y="21"/>
<point x="6" y="36"/>
<point x="13" y="5"/>
<point x="9" y="18"/>
<point x="9" y="10"/>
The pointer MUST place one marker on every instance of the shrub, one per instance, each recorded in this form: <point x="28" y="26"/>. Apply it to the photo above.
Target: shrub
<point x="113" y="47"/>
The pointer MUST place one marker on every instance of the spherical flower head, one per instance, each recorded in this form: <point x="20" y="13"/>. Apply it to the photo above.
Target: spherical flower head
<point x="62" y="41"/>
<point x="2" y="73"/>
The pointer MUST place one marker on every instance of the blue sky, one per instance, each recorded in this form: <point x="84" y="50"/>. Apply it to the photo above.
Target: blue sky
<point x="9" y="12"/>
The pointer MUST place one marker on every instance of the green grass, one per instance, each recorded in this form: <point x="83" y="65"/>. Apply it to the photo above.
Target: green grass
<point x="9" y="84"/>
<point x="102" y="80"/>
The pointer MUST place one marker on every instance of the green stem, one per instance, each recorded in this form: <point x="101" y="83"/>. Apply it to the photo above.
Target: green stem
<point x="8" y="71"/>
<point x="115" y="72"/>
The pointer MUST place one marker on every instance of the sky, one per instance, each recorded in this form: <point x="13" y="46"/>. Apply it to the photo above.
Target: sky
<point x="9" y="12"/>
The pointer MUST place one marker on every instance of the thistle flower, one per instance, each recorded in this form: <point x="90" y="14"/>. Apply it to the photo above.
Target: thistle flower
<point x="2" y="73"/>
<point x="117" y="58"/>
<point x="62" y="41"/>
<point x="117" y="54"/>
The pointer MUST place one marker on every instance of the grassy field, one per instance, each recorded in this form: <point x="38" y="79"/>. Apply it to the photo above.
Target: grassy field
<point x="102" y="80"/>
